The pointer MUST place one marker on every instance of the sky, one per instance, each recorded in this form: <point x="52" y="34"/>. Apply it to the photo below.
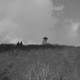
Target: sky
<point x="30" y="20"/>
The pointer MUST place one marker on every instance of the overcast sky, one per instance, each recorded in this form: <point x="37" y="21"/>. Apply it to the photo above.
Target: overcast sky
<point x="30" y="20"/>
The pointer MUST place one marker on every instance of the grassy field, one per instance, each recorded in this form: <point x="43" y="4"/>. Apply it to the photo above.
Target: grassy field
<point x="39" y="62"/>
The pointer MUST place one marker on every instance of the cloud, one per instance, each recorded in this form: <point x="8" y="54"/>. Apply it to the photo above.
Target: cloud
<point x="67" y="31"/>
<point x="42" y="3"/>
<point x="15" y="40"/>
<point x="58" y="8"/>
<point x="11" y="38"/>
<point x="8" y="25"/>
<point x="73" y="35"/>
<point x="7" y="16"/>
<point x="75" y="26"/>
<point x="25" y="19"/>
<point x="74" y="29"/>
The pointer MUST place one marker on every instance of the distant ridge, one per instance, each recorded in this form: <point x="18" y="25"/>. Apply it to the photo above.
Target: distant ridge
<point x="8" y="47"/>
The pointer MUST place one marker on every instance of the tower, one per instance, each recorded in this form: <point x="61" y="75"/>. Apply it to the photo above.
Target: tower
<point x="44" y="40"/>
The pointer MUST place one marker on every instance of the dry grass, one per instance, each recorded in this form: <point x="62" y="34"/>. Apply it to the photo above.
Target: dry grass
<point x="39" y="71"/>
<point x="40" y="64"/>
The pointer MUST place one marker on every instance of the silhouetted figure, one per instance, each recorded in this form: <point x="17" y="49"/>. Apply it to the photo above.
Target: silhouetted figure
<point x="19" y="44"/>
<point x="44" y="40"/>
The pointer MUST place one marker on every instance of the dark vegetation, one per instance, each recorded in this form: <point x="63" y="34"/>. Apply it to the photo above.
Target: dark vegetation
<point x="8" y="47"/>
<point x="39" y="62"/>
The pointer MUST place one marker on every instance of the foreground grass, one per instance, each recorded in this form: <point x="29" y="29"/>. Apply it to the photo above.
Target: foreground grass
<point x="40" y="63"/>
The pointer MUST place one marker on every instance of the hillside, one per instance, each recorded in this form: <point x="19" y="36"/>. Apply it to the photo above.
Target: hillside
<point x="39" y="62"/>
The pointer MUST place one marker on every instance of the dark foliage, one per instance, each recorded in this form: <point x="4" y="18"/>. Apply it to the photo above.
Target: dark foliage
<point x="4" y="73"/>
<point x="6" y="78"/>
<point x="8" y="47"/>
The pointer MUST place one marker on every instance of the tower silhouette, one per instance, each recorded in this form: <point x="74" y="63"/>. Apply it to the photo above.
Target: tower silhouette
<point x="44" y="40"/>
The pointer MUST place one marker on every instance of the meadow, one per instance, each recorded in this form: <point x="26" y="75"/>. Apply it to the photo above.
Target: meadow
<point x="39" y="62"/>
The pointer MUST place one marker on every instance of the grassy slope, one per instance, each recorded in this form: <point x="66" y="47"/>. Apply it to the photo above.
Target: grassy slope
<point x="39" y="62"/>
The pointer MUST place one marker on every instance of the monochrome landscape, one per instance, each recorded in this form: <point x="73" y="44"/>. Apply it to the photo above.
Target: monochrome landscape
<point x="39" y="39"/>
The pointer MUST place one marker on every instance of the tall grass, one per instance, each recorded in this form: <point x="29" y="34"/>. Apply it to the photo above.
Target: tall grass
<point x="40" y="71"/>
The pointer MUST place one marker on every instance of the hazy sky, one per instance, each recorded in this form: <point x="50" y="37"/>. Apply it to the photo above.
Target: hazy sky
<point x="30" y="20"/>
